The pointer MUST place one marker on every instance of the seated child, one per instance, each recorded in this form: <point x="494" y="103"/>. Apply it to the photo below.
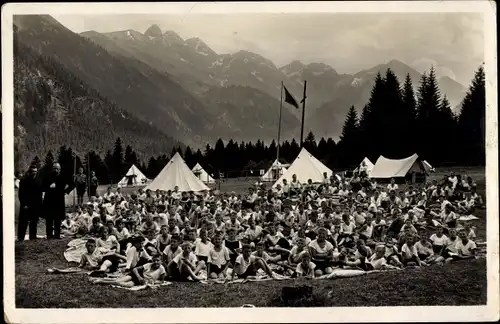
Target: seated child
<point x="184" y="265"/>
<point x="203" y="246"/>
<point x="150" y="243"/>
<point x="247" y="265"/>
<point x="301" y="234"/>
<point x="424" y="250"/>
<point x="100" y="258"/>
<point x="136" y="254"/>
<point x="253" y="233"/>
<point x="361" y="256"/>
<point x="95" y="228"/>
<point x="163" y="239"/>
<point x="466" y="248"/>
<point x="322" y="253"/>
<point x="409" y="253"/>
<point x="438" y="240"/>
<point x="107" y="241"/>
<point x="218" y="259"/>
<point x="232" y="244"/>
<point x="392" y="254"/>
<point x="172" y="250"/>
<point x="259" y="252"/>
<point x="305" y="268"/>
<point x="149" y="273"/>
<point x="449" y="251"/>
<point x="297" y="251"/>
<point x="69" y="226"/>
<point x="378" y="261"/>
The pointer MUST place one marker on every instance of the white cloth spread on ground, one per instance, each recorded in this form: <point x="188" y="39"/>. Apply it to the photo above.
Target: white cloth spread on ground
<point x="76" y="248"/>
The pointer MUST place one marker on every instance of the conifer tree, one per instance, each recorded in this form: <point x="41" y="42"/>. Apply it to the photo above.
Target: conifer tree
<point x="349" y="138"/>
<point x="471" y="122"/>
<point x="109" y="162"/>
<point x="189" y="157"/>
<point x="118" y="166"/>
<point x="408" y="117"/>
<point x="310" y="143"/>
<point x="373" y="120"/>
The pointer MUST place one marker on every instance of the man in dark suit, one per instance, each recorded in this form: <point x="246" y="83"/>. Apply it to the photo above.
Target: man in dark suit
<point x="56" y="187"/>
<point x="30" y="200"/>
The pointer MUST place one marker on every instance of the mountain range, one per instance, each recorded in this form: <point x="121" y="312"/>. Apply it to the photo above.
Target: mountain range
<point x="185" y="91"/>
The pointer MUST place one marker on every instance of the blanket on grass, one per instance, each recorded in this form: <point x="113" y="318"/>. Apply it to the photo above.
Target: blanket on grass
<point x="76" y="248"/>
<point x="142" y="287"/>
<point x="67" y="270"/>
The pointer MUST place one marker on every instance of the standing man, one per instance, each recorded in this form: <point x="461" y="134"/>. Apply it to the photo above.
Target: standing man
<point x="94" y="183"/>
<point x="56" y="187"/>
<point x="30" y="200"/>
<point x="81" y="185"/>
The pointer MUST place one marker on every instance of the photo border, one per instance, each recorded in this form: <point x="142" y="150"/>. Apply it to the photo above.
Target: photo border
<point x="488" y="312"/>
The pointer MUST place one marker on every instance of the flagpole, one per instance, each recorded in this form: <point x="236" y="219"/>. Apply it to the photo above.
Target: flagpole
<point x="303" y="114"/>
<point x="279" y="124"/>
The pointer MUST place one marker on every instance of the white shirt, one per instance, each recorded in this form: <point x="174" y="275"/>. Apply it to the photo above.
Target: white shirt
<point x="409" y="252"/>
<point x="191" y="258"/>
<point x="421" y="249"/>
<point x="465" y="250"/>
<point x="327" y="248"/>
<point x="218" y="258"/>
<point x="377" y="263"/>
<point x="310" y="267"/>
<point x="203" y="249"/>
<point x="244" y="264"/>
<point x="108" y="243"/>
<point x="151" y="274"/>
<point x="391" y="186"/>
<point x="438" y="241"/>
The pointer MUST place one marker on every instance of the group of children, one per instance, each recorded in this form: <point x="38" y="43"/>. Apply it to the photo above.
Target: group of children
<point x="150" y="237"/>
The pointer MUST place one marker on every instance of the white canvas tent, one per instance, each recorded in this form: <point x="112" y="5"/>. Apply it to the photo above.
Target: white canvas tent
<point x="388" y="168"/>
<point x="201" y="174"/>
<point x="133" y="177"/>
<point x="428" y="167"/>
<point x="306" y="167"/>
<point x="365" y="165"/>
<point x="177" y="173"/>
<point x="275" y="171"/>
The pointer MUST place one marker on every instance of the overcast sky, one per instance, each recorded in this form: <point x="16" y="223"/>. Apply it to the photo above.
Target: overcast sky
<point x="349" y="42"/>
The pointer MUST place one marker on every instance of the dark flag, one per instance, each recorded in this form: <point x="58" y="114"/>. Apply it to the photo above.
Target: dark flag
<point x="290" y="99"/>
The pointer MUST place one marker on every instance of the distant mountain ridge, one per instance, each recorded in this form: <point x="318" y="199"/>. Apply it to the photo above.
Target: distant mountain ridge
<point x="325" y="85"/>
<point x="184" y="89"/>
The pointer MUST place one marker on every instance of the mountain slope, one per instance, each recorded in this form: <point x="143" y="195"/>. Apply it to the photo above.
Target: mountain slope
<point x="194" y="64"/>
<point x="145" y="92"/>
<point x="250" y="113"/>
<point x="53" y="107"/>
<point x="199" y="69"/>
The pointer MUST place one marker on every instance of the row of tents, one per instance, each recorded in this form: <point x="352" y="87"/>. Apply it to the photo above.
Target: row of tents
<point x="177" y="174"/>
<point x="134" y="176"/>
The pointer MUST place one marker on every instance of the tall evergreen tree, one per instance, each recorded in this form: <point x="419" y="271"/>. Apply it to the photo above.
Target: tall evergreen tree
<point x="294" y="149"/>
<point x="151" y="168"/>
<point x="372" y="133"/>
<point x="130" y="158"/>
<point x="189" y="157"/>
<point x="391" y="118"/>
<point x="447" y="133"/>
<point x="471" y="121"/>
<point x="428" y="116"/>
<point x="109" y="162"/>
<point x="408" y="118"/>
<point x="348" y="145"/>
<point x="118" y="166"/>
<point x="310" y="144"/>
